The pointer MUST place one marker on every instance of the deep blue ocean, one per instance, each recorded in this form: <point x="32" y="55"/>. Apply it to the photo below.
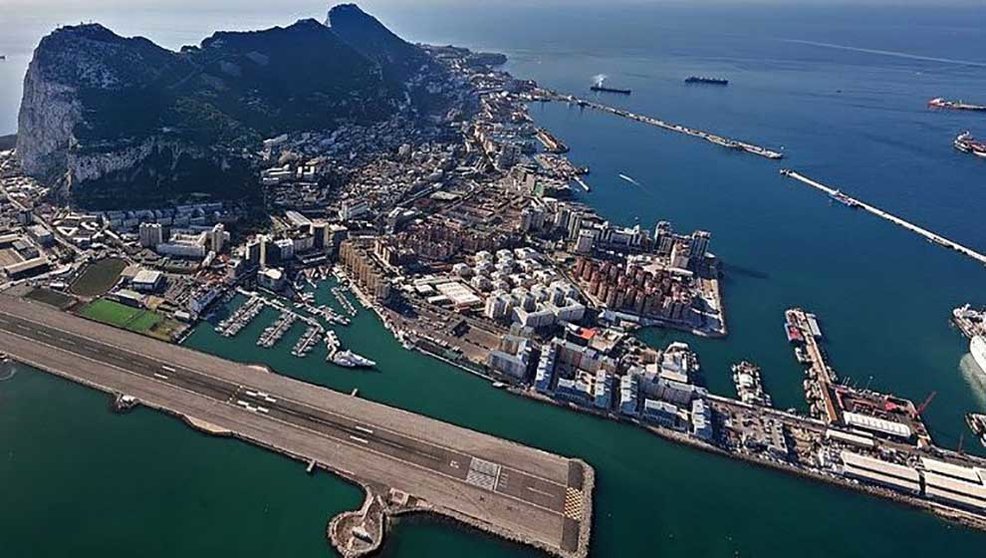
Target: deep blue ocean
<point x="843" y="90"/>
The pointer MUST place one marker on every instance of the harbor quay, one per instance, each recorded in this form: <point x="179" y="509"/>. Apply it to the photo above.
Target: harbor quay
<point x="408" y="463"/>
<point x="722" y="141"/>
<point x="855" y="439"/>
<point x="855" y="203"/>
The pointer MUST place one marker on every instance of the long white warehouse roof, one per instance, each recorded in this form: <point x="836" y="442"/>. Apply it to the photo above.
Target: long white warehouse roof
<point x="877" y="424"/>
<point x="951" y="470"/>
<point x="878" y="465"/>
<point x="975" y="490"/>
<point x="880" y="478"/>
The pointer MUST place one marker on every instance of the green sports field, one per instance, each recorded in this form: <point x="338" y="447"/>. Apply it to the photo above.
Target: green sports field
<point x="132" y="319"/>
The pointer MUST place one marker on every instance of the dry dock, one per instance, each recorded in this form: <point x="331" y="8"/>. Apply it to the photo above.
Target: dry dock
<point x="502" y="487"/>
<point x="850" y="201"/>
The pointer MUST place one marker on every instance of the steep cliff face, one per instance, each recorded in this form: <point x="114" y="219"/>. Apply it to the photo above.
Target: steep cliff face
<point x="424" y="79"/>
<point x="72" y="66"/>
<point x="99" y="108"/>
<point x="48" y="115"/>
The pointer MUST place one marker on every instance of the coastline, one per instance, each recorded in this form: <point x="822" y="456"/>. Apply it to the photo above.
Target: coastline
<point x="387" y="509"/>
<point x="944" y="512"/>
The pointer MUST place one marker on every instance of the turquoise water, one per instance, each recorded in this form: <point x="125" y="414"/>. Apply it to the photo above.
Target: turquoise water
<point x="852" y="119"/>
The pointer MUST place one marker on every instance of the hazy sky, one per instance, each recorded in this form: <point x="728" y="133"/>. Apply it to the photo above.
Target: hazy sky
<point x="369" y="5"/>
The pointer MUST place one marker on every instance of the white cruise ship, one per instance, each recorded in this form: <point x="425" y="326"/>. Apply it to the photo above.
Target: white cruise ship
<point x="978" y="349"/>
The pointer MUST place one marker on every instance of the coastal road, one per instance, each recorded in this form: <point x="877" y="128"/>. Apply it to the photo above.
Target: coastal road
<point x="516" y="491"/>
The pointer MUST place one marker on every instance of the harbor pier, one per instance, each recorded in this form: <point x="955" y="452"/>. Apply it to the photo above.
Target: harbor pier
<point x="850" y="201"/>
<point x="717" y="139"/>
<point x="502" y="487"/>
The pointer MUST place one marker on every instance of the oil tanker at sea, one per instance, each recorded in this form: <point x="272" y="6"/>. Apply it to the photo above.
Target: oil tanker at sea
<point x="605" y="89"/>
<point x="942" y="103"/>
<point x="706" y="80"/>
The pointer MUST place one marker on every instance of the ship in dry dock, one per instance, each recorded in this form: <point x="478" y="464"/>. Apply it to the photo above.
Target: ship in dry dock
<point x="749" y="385"/>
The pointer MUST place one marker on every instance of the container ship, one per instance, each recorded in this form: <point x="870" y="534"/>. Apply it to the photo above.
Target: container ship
<point x="965" y="143"/>
<point x="942" y="103"/>
<point x="605" y="89"/>
<point x="707" y="80"/>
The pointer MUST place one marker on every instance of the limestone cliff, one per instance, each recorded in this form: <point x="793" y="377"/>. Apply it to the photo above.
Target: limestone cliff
<point x="109" y="114"/>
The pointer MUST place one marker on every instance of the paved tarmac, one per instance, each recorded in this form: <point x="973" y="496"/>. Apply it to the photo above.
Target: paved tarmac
<point x="517" y="491"/>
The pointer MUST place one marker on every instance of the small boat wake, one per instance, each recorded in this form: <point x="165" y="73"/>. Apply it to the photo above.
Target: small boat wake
<point x="7" y="372"/>
<point x="974" y="377"/>
<point x="630" y="180"/>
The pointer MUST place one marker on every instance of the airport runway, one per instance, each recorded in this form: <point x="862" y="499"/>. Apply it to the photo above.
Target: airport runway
<point x="520" y="492"/>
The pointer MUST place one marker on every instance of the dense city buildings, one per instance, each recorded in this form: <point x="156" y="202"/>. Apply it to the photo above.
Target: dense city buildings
<point x="463" y="231"/>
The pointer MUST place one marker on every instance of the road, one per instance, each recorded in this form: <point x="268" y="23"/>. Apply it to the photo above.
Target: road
<point x="522" y="492"/>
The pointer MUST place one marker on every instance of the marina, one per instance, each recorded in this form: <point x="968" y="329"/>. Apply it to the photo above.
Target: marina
<point x="274" y="332"/>
<point x="339" y="293"/>
<point x="307" y="342"/>
<point x="838" y="195"/>
<point x="241" y="318"/>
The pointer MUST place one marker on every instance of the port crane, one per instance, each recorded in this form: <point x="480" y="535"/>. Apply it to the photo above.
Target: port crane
<point x="924" y="404"/>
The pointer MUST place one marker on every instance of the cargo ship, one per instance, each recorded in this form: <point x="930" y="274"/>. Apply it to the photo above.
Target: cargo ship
<point x="605" y="89"/>
<point x="965" y="143"/>
<point x="942" y="103"/>
<point x="706" y="80"/>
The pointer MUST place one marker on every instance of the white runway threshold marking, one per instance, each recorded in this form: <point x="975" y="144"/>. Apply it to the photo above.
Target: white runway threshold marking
<point x="483" y="474"/>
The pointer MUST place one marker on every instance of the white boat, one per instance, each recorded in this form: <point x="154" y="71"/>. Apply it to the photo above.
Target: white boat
<point x="629" y="179"/>
<point x="978" y="349"/>
<point x="350" y="359"/>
